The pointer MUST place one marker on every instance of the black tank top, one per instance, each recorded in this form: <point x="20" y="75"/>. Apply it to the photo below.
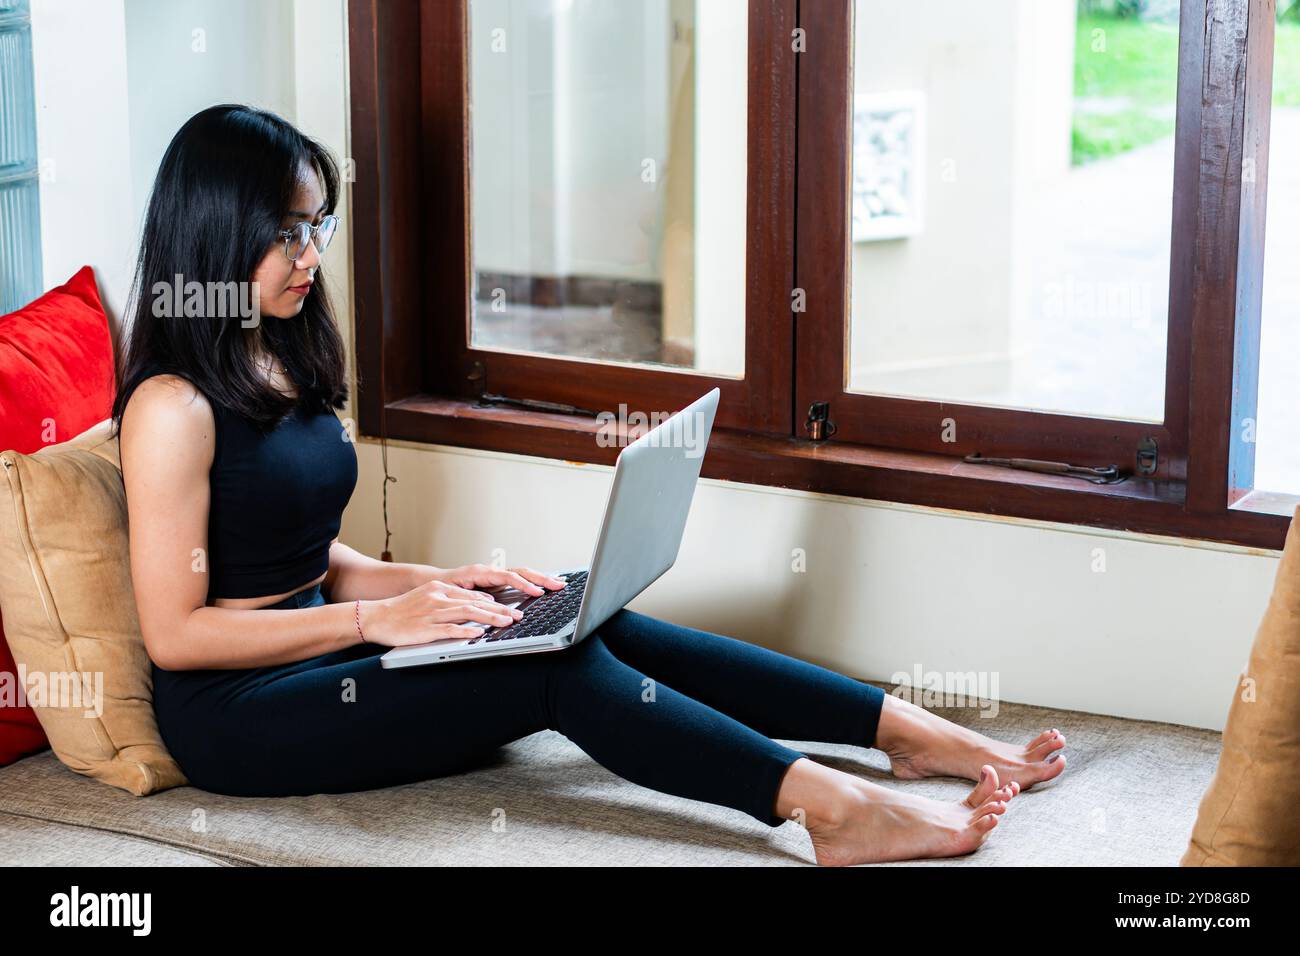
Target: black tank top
<point x="276" y="501"/>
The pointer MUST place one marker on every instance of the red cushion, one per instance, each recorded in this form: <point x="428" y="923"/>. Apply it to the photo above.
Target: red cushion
<point x="20" y="733"/>
<point x="56" y="367"/>
<point x="56" y="380"/>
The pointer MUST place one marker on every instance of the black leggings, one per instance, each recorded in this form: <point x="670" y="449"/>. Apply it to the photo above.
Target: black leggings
<point x="676" y="709"/>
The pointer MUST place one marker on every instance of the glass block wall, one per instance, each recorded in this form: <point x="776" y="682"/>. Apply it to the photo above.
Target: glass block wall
<point x="20" y="210"/>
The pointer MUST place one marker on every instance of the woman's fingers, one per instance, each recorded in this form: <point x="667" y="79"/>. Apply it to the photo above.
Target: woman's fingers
<point x="474" y="597"/>
<point x="450" y="632"/>
<point x="456" y="591"/>
<point x="540" y="579"/>
<point x="472" y="612"/>
<point x="511" y="579"/>
<point x="512" y="612"/>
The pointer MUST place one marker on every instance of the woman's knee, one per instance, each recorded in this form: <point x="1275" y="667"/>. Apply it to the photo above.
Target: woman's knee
<point x="590" y="661"/>
<point x="586" y="652"/>
<point x="621" y="624"/>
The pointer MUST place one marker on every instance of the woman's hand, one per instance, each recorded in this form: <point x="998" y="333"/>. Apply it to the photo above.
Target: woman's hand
<point x="495" y="579"/>
<point x="434" y="611"/>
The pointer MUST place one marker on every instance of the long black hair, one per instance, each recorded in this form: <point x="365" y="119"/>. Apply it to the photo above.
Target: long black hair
<point x="225" y="184"/>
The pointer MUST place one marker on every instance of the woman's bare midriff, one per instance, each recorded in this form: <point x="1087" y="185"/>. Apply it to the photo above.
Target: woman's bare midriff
<point x="253" y="604"/>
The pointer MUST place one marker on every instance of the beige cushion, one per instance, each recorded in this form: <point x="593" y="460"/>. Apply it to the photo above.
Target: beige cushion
<point x="70" y="615"/>
<point x="1249" y="815"/>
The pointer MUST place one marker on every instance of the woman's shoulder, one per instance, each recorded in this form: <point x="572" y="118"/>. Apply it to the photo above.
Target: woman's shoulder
<point x="164" y="403"/>
<point x="169" y="390"/>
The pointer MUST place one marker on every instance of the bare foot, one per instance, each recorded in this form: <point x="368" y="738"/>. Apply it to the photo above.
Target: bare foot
<point x="878" y="825"/>
<point x="921" y="744"/>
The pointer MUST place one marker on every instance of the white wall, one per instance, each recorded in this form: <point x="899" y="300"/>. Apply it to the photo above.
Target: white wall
<point x="83" y="135"/>
<point x="183" y="57"/>
<point x="114" y="82"/>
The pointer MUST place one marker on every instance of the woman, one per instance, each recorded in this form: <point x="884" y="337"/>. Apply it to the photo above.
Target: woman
<point x="265" y="631"/>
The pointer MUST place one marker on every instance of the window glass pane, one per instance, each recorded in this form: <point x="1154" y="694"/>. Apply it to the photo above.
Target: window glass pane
<point x="1277" y="433"/>
<point x="1011" y="202"/>
<point x="20" y="214"/>
<point x="608" y="179"/>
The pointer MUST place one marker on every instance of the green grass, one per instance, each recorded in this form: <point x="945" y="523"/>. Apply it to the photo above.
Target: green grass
<point x="1135" y="65"/>
<point x="1286" y="65"/>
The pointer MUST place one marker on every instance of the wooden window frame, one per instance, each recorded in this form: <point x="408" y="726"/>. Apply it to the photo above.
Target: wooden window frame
<point x="429" y="120"/>
<point x="417" y="377"/>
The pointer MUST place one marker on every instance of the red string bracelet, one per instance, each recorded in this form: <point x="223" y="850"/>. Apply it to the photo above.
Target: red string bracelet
<point x="358" y="616"/>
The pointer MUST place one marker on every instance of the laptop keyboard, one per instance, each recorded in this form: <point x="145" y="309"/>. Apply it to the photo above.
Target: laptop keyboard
<point x="544" y="614"/>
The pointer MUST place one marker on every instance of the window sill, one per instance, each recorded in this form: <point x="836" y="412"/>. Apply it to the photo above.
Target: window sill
<point x="938" y="481"/>
<point x="1268" y="502"/>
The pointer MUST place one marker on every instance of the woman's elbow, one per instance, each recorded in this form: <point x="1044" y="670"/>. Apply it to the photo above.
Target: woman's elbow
<point x="160" y="656"/>
<point x="164" y="651"/>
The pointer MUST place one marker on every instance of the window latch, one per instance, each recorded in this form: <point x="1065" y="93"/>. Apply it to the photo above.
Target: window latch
<point x="486" y="399"/>
<point x="1105" y="475"/>
<point x="1147" y="457"/>
<point x="534" y="404"/>
<point x="818" y="425"/>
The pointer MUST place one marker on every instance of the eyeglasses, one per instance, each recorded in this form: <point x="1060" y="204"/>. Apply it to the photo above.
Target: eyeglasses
<point x="296" y="239"/>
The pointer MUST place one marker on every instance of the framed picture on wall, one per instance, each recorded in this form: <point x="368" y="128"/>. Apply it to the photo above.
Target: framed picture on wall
<point x="888" y="164"/>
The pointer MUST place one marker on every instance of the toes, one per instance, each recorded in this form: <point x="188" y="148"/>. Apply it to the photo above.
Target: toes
<point x="987" y="786"/>
<point x="1006" y="792"/>
<point x="1044" y="770"/>
<point x="1054" y="766"/>
<point x="1039" y="751"/>
<point x="994" y="806"/>
<point x="979" y="828"/>
<point x="1045" y="735"/>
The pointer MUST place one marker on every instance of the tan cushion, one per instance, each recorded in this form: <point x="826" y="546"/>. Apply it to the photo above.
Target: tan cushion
<point x="1249" y="815"/>
<point x="70" y="615"/>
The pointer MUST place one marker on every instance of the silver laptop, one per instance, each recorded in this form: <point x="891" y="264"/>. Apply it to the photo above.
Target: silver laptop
<point x="645" y="515"/>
